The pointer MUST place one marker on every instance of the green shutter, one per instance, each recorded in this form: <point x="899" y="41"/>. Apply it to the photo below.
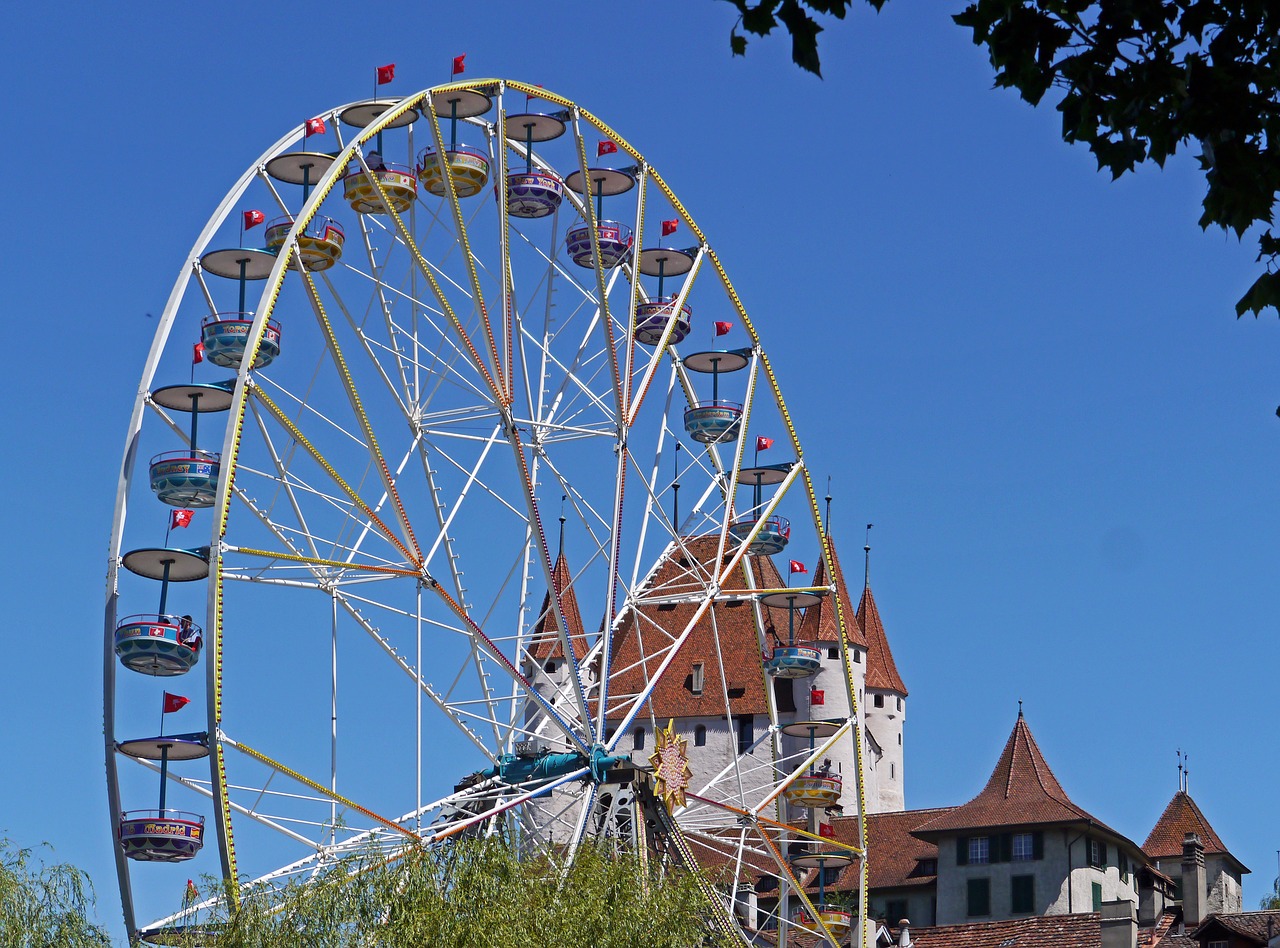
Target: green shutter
<point x="962" y="851"/>
<point x="1006" y="847"/>
<point x="1097" y="896"/>
<point x="1037" y="845"/>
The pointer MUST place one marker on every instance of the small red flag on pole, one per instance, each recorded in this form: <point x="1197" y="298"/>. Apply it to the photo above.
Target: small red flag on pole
<point x="181" y="518"/>
<point x="197" y="353"/>
<point x="605" y="147"/>
<point x="253" y="219"/>
<point x="763" y="443"/>
<point x="722" y="329"/>
<point x="459" y="65"/>
<point x="669" y="227"/>
<point x="798" y="567"/>
<point x="315" y="126"/>
<point x="530" y="95"/>
<point x="826" y="831"/>
<point x="192" y="892"/>
<point x="174" y="703"/>
<point x="386" y="73"/>
<point x="817" y="696"/>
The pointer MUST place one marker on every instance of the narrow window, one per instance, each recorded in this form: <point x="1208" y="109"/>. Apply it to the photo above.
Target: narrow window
<point x="899" y="704"/>
<point x="1097" y="896"/>
<point x="637" y="739"/>
<point x="550" y="666"/>
<point x="1022" y="892"/>
<point x="833" y="653"/>
<point x="698" y="678"/>
<point x="878" y="700"/>
<point x="893" y="771"/>
<point x="700" y="736"/>
<point x="979" y="897"/>
<point x="857" y="657"/>
<point x="746" y="733"/>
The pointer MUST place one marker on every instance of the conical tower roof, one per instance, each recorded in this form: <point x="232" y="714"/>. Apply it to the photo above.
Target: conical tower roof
<point x="1022" y="789"/>
<point x="820" y="623"/>
<point x="882" y="672"/>
<point x="1181" y="817"/>
<point x="545" y="642"/>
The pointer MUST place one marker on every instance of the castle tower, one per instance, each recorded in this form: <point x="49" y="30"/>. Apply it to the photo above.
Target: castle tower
<point x="885" y="708"/>
<point x="546" y="665"/>
<point x="827" y="696"/>
<point x="1222" y="871"/>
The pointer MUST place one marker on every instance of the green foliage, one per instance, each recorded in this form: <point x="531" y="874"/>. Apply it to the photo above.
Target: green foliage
<point x="1142" y="78"/>
<point x="761" y="17"/>
<point x="43" y="906"/>
<point x="1138" y="80"/>
<point x="1272" y="899"/>
<point x="477" y="894"/>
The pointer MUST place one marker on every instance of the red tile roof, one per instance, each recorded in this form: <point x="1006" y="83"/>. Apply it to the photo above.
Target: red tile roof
<point x="1043" y="931"/>
<point x="1260" y="927"/>
<point x="1181" y="817"/>
<point x="895" y="856"/>
<point x="1022" y="789"/>
<point x="1164" y="933"/>
<point x="882" y="673"/>
<point x="643" y="640"/>
<point x="819" y="623"/>
<point x="545" y="641"/>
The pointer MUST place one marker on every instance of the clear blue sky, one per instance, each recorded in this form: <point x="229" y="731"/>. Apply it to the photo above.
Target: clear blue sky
<point x="1028" y="377"/>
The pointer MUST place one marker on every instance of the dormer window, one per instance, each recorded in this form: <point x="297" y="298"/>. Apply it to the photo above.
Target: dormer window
<point x="697" y="680"/>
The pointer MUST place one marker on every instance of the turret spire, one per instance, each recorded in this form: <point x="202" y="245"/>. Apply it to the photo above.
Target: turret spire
<point x="866" y="576"/>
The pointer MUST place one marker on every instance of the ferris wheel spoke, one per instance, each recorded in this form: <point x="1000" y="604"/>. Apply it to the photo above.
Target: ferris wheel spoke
<point x="464" y="245"/>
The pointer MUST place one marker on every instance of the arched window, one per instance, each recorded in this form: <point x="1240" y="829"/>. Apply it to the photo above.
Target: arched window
<point x="637" y="739"/>
<point x="700" y="736"/>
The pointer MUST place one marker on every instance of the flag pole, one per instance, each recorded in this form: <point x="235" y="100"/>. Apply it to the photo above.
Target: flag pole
<point x="170" y="527"/>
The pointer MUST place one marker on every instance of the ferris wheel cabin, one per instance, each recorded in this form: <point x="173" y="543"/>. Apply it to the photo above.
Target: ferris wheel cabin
<point x="319" y="243"/>
<point x="225" y="338"/>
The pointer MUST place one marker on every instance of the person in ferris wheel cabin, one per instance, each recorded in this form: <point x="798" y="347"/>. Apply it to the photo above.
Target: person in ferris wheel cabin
<point x="375" y="162"/>
<point x="189" y="635"/>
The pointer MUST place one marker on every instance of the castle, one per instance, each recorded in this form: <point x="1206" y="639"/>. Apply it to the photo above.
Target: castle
<point x="1020" y="857"/>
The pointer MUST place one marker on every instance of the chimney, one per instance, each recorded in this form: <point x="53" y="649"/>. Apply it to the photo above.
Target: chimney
<point x="904" y="933"/>
<point x="1194" y="895"/>
<point x="744" y="905"/>
<point x="1119" y="924"/>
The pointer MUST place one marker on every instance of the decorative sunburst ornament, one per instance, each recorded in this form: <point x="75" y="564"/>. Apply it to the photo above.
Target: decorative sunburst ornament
<point x="670" y="762"/>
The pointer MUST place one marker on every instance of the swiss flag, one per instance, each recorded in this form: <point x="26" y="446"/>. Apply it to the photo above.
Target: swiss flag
<point x="197" y="353"/>
<point x="817" y="696"/>
<point x="181" y="518"/>
<point x="722" y="329"/>
<point x="386" y="73"/>
<point x="253" y="218"/>
<point x="174" y="703"/>
<point x="763" y="443"/>
<point x="459" y="64"/>
<point x="669" y="227"/>
<point x="606" y="147"/>
<point x="315" y="126"/>
<point x="826" y="831"/>
<point x="798" y="567"/>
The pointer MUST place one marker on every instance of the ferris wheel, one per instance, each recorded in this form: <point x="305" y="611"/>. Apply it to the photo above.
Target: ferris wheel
<point x="484" y="468"/>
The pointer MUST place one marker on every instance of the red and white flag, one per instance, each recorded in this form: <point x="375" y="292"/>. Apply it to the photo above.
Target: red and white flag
<point x="605" y="147"/>
<point x="669" y="227"/>
<point x="315" y="126"/>
<point x="817" y="696"/>
<point x="722" y="329"/>
<point x="253" y="218"/>
<point x="459" y="65"/>
<point x="181" y="518"/>
<point x="763" y="443"/>
<point x="192" y="892"/>
<point x="826" y="831"/>
<point x="386" y="73"/>
<point x="798" y="567"/>
<point x="174" y="703"/>
<point x="197" y="353"/>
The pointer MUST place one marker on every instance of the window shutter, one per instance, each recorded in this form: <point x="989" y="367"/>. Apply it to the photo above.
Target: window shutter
<point x="962" y="851"/>
<point x="1102" y="854"/>
<point x="1006" y="847"/>
<point x="1037" y="845"/>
